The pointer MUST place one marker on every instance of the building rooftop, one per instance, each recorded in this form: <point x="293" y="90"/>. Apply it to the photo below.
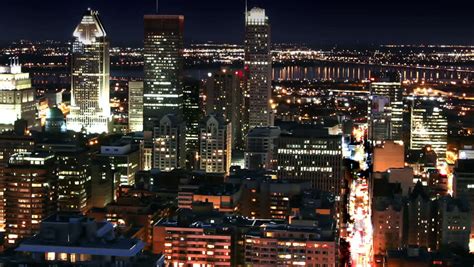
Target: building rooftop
<point x="73" y="233"/>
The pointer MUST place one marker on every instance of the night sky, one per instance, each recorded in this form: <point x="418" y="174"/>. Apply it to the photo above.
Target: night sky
<point x="302" y="21"/>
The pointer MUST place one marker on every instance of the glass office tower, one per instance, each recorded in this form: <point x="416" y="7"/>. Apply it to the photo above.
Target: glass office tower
<point x="90" y="100"/>
<point x="163" y="92"/>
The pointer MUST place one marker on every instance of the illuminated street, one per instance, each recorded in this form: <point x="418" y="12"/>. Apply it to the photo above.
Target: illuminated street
<point x="360" y="224"/>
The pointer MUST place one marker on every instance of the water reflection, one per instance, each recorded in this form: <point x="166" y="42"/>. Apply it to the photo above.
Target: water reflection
<point x="341" y="73"/>
<point x="326" y="72"/>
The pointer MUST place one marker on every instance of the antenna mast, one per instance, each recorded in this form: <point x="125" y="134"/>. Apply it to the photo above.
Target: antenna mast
<point x="157" y="6"/>
<point x="246" y="9"/>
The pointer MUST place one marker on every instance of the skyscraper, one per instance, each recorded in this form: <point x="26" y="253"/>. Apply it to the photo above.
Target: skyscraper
<point x="429" y="125"/>
<point x="163" y="68"/>
<point x="17" y="98"/>
<point x="388" y="120"/>
<point x="90" y="100"/>
<point x="135" y="106"/>
<point x="192" y="115"/>
<point x="224" y="94"/>
<point x="258" y="62"/>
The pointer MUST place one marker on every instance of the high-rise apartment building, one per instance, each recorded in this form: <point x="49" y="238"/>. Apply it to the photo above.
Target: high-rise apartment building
<point x="429" y="125"/>
<point x="17" y="98"/>
<point x="30" y="193"/>
<point x="215" y="149"/>
<point x="135" y="106"/>
<point x="258" y="62"/>
<point x="90" y="99"/>
<point x="388" y="85"/>
<point x="169" y="144"/>
<point x="224" y="94"/>
<point x="163" y="88"/>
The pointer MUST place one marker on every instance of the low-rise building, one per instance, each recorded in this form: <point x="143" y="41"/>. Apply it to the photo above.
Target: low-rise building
<point x="75" y="239"/>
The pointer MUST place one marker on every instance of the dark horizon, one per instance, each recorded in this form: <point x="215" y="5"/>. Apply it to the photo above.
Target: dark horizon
<point x="301" y="21"/>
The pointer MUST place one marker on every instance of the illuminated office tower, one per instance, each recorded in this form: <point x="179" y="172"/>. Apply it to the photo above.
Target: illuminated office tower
<point x="90" y="100"/>
<point x="258" y="62"/>
<point x="163" y="55"/>
<point x="135" y="106"/>
<point x="429" y="125"/>
<point x="17" y="98"/>
<point x="310" y="154"/>
<point x="223" y="93"/>
<point x="169" y="144"/>
<point x="215" y="145"/>
<point x="30" y="193"/>
<point x="388" y="84"/>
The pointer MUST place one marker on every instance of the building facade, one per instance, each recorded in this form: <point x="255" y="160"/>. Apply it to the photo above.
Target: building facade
<point x="215" y="145"/>
<point x="311" y="154"/>
<point x="17" y="98"/>
<point x="289" y="246"/>
<point x="387" y="221"/>
<point x="135" y="106"/>
<point x="429" y="125"/>
<point x="204" y="246"/>
<point x="163" y="82"/>
<point x="388" y="85"/>
<point x="260" y="147"/>
<point x="169" y="144"/>
<point x="90" y="91"/>
<point x="30" y="193"/>
<point x="258" y="63"/>
<point x="192" y="116"/>
<point x="463" y="186"/>
<point x="122" y="158"/>
<point x="223" y="93"/>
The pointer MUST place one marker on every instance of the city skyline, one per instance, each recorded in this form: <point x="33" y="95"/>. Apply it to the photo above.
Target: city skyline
<point x="219" y="154"/>
<point x="310" y="22"/>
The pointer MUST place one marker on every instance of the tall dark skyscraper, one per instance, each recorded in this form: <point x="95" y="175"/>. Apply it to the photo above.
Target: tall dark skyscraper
<point x="90" y="99"/>
<point x="224" y="95"/>
<point x="258" y="62"/>
<point x="192" y="116"/>
<point x="163" y="92"/>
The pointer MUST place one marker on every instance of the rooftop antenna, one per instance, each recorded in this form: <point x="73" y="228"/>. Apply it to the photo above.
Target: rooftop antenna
<point x="246" y="9"/>
<point x="157" y="2"/>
